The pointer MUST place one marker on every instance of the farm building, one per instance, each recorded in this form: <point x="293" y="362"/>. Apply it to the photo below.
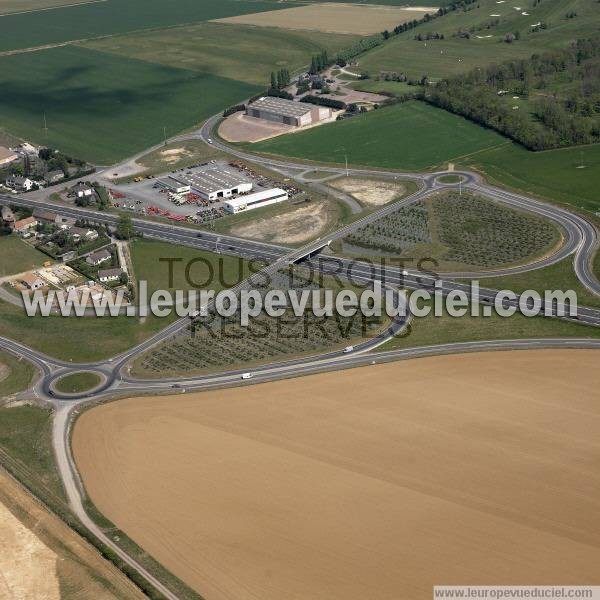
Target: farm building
<point x="211" y="183"/>
<point x="288" y="112"/>
<point x="257" y="200"/>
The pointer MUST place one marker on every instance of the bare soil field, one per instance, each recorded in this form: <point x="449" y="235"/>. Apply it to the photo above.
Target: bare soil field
<point x="369" y="191"/>
<point x="241" y="128"/>
<point x="297" y="225"/>
<point x="333" y="17"/>
<point x="40" y="557"/>
<point x="376" y="482"/>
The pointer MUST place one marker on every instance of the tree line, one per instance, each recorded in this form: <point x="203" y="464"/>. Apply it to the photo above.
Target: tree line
<point x="562" y="114"/>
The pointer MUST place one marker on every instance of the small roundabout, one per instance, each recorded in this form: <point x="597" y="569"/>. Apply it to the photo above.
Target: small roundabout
<point x="72" y="385"/>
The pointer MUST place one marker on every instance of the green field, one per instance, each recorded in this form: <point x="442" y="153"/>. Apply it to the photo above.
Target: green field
<point x="16" y="256"/>
<point x="560" y="276"/>
<point x="79" y="339"/>
<point x="102" y="107"/>
<point x="114" y="17"/>
<point x="210" y="271"/>
<point x="409" y="136"/>
<point x="440" y="58"/>
<point x="570" y="175"/>
<point x="20" y="374"/>
<point x="239" y="52"/>
<point x="78" y="382"/>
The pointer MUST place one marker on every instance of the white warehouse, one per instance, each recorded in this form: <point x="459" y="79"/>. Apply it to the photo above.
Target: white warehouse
<point x="256" y="200"/>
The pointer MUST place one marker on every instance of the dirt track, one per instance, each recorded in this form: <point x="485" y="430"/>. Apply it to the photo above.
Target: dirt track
<point x="372" y="483"/>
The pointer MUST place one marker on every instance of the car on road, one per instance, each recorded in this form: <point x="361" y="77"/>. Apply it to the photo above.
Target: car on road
<point x="348" y="349"/>
<point x="247" y="376"/>
<point x="209" y="140"/>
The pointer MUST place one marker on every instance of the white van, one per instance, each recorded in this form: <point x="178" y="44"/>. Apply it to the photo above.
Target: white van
<point x="348" y="349"/>
<point x="247" y="376"/>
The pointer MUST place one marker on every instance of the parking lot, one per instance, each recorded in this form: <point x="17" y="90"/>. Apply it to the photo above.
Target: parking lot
<point x="150" y="196"/>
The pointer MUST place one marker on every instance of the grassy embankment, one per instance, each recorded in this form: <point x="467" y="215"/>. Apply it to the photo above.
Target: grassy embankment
<point x="432" y="330"/>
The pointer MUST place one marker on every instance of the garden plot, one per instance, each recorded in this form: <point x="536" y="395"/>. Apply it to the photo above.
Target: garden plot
<point x="458" y="231"/>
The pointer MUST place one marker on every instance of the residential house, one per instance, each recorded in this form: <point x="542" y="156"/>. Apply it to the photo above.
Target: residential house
<point x="97" y="258"/>
<point x="24" y="226"/>
<point x="54" y="176"/>
<point x="107" y="275"/>
<point x="83" y="190"/>
<point x="19" y="183"/>
<point x="32" y="282"/>
<point x="80" y="234"/>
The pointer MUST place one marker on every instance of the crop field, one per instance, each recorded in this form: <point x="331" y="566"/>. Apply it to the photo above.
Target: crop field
<point x="102" y="107"/>
<point x="569" y="175"/>
<point x="333" y="18"/>
<point x="16" y="256"/>
<point x="452" y="55"/>
<point x="459" y="230"/>
<point x="224" y="343"/>
<point x="296" y="467"/>
<point x="91" y="20"/>
<point x="409" y="136"/>
<point x="249" y="53"/>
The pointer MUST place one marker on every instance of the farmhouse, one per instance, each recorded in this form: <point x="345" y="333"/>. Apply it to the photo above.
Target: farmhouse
<point x="288" y="112"/>
<point x="19" y="183"/>
<point x="97" y="258"/>
<point x="7" y="156"/>
<point x="106" y="275"/>
<point x="257" y="200"/>
<point x="33" y="282"/>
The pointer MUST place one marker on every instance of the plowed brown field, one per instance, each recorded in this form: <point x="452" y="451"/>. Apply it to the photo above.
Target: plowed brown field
<point x="376" y="482"/>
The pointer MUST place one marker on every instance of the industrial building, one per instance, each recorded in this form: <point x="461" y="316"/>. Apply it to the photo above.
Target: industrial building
<point x="256" y="200"/>
<point x="211" y="183"/>
<point x="279" y="110"/>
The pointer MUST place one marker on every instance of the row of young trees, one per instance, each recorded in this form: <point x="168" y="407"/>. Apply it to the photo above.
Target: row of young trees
<point x="280" y="79"/>
<point x="559" y="119"/>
